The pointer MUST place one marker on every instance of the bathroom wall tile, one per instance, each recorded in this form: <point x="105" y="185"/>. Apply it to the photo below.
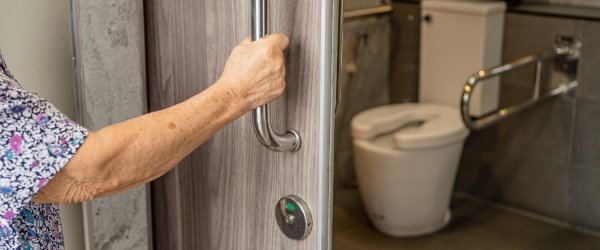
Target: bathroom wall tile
<point x="404" y="77"/>
<point x="512" y="94"/>
<point x="584" y="204"/>
<point x="531" y="184"/>
<point x="567" y="192"/>
<point x="543" y="131"/>
<point x="478" y="152"/>
<point x="534" y="185"/>
<point x="526" y="34"/>
<point x="586" y="141"/>
<point x="589" y="63"/>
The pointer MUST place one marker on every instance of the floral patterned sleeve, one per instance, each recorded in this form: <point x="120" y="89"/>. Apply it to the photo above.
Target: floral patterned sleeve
<point x="36" y="141"/>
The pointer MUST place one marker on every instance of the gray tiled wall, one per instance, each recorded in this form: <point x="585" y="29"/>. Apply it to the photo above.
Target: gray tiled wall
<point x="544" y="159"/>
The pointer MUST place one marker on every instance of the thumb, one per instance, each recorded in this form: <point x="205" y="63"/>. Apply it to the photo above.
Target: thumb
<point x="278" y="39"/>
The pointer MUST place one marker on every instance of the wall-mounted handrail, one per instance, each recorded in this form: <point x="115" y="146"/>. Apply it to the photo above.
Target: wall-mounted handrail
<point x="567" y="49"/>
<point x="286" y="142"/>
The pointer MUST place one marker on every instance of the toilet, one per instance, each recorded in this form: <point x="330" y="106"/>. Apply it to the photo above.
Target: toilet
<point x="407" y="155"/>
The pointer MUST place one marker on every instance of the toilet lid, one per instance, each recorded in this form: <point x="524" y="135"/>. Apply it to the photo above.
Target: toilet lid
<point x="412" y="125"/>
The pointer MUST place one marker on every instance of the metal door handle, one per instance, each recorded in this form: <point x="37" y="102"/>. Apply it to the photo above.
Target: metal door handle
<point x="289" y="141"/>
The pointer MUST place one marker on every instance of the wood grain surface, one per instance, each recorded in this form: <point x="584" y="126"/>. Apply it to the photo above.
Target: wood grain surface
<point x="223" y="195"/>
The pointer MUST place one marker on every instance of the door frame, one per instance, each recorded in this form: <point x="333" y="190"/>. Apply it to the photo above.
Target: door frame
<point x="330" y="60"/>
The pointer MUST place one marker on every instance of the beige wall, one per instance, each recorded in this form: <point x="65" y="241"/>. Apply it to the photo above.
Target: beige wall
<point x="35" y="38"/>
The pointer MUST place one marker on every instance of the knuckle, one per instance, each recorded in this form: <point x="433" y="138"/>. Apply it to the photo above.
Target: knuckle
<point x="279" y="91"/>
<point x="282" y="84"/>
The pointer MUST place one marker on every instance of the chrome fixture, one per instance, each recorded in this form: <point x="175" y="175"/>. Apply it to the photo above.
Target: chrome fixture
<point x="565" y="55"/>
<point x="369" y="11"/>
<point x="293" y="217"/>
<point x="289" y="141"/>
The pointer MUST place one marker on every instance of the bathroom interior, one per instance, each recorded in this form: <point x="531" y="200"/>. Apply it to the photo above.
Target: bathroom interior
<point x="513" y="166"/>
<point x="529" y="179"/>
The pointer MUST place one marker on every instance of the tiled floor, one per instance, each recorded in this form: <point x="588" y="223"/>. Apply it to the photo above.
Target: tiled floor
<point x="475" y="225"/>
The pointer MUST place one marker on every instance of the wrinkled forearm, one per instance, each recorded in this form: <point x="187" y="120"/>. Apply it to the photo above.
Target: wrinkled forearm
<point x="139" y="150"/>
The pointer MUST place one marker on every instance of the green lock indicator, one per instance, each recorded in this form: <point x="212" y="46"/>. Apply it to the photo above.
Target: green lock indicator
<point x="290" y="207"/>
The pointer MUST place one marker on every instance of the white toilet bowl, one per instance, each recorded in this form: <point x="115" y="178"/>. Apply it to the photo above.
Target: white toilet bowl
<point x="406" y="158"/>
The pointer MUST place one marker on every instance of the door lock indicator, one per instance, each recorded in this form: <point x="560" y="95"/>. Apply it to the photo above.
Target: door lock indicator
<point x="293" y="217"/>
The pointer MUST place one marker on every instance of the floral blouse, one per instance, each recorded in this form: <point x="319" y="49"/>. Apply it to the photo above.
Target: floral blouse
<point x="36" y="141"/>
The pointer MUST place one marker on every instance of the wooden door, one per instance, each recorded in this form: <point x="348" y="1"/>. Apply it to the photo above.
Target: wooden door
<point x="223" y="195"/>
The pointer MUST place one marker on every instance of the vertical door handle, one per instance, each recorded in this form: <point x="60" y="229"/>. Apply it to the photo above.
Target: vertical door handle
<point x="289" y="141"/>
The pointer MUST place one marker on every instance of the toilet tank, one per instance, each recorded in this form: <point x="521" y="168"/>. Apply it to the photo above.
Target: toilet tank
<point x="458" y="38"/>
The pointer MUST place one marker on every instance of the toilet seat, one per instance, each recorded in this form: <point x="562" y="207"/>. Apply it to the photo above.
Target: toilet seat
<point x="437" y="125"/>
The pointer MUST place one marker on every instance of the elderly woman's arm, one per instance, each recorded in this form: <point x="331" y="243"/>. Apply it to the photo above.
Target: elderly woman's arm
<point x="142" y="149"/>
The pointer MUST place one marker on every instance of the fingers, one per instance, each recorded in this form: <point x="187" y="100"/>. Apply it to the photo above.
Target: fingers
<point x="277" y="39"/>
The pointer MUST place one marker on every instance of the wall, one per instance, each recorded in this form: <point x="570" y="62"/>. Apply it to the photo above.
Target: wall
<point x="111" y="78"/>
<point x="36" y="41"/>
<point x="364" y="80"/>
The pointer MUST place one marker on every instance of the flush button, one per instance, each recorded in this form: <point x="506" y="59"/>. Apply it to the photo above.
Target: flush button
<point x="293" y="217"/>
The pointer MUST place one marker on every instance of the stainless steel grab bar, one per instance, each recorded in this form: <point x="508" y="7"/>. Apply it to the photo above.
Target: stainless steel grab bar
<point x="289" y="141"/>
<point x="566" y="49"/>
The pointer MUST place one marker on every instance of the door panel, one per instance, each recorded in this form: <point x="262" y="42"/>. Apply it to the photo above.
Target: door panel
<point x="223" y="195"/>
